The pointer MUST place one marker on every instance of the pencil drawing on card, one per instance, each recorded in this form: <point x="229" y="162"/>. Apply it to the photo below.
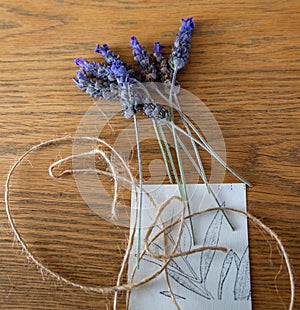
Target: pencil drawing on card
<point x="194" y="273"/>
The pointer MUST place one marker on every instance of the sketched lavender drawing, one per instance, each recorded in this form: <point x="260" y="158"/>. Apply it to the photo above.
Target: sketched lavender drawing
<point x="211" y="239"/>
<point x="182" y="272"/>
<point x="179" y="269"/>
<point x="225" y="269"/>
<point x="167" y="294"/>
<point x="242" y="289"/>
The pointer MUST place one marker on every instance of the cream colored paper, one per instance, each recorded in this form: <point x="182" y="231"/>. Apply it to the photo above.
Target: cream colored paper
<point x="208" y="280"/>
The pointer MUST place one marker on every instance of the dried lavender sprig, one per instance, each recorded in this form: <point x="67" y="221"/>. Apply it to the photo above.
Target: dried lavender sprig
<point x="130" y="99"/>
<point x="120" y="73"/>
<point x="96" y="80"/>
<point x="95" y="87"/>
<point x="181" y="48"/>
<point x="107" y="54"/>
<point x="97" y="70"/>
<point x="142" y="57"/>
<point x="164" y="71"/>
<point x="110" y="57"/>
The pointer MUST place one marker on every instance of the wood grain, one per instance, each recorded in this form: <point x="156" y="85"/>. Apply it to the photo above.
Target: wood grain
<point x="244" y="65"/>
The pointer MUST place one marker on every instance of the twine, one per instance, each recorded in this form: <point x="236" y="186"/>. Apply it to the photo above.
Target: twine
<point x="166" y="257"/>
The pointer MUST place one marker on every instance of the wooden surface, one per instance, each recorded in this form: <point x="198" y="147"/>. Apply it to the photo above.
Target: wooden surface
<point x="244" y="65"/>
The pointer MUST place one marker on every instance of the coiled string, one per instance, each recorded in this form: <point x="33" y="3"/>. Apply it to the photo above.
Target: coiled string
<point x="149" y="239"/>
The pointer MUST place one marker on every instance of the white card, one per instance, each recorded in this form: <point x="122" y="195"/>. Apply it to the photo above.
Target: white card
<point x="208" y="280"/>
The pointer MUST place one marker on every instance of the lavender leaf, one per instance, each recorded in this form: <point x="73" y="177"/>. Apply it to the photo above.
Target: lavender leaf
<point x="211" y="239"/>
<point x="224" y="271"/>
<point x="242" y="288"/>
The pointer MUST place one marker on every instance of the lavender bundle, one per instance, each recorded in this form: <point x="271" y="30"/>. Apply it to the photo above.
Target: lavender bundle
<point x="118" y="80"/>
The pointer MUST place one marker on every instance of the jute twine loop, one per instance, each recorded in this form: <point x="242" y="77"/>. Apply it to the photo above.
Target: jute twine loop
<point x="149" y="239"/>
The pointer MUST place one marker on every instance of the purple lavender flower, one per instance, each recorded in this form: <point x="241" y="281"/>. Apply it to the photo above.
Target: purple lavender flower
<point x="107" y="54"/>
<point x="129" y="98"/>
<point x="120" y="72"/>
<point x="100" y="71"/>
<point x="96" y="80"/>
<point x="118" y="80"/>
<point x="96" y="88"/>
<point x="180" y="51"/>
<point x="154" y="110"/>
<point x="164" y="71"/>
<point x="142" y="57"/>
<point x="157" y="51"/>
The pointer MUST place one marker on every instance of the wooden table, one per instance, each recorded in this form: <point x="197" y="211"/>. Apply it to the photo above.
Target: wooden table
<point x="245" y="67"/>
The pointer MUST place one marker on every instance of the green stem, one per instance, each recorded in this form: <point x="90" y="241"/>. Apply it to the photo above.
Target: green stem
<point x="163" y="152"/>
<point x="178" y="153"/>
<point x="140" y="189"/>
<point x="201" y="172"/>
<point x="208" y="148"/>
<point x="210" y="190"/>
<point x="164" y="139"/>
